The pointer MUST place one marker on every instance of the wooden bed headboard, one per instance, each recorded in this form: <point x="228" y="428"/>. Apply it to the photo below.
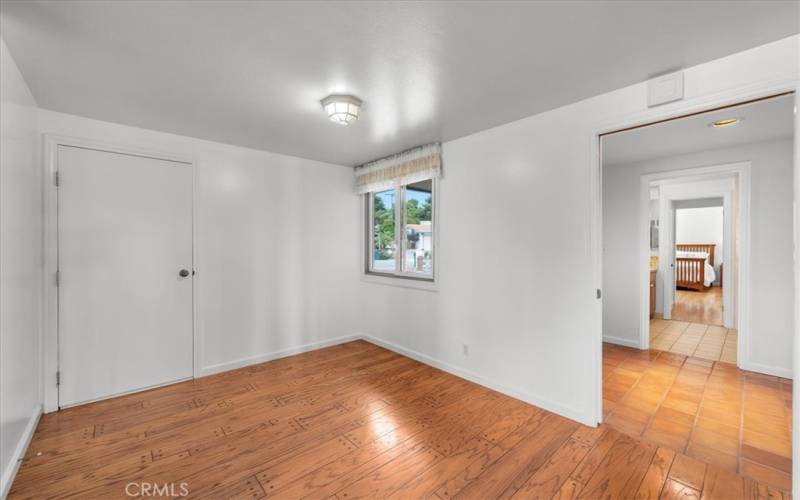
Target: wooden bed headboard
<point x="698" y="247"/>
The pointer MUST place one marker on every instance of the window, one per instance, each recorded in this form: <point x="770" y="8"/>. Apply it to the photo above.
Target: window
<point x="401" y="240"/>
<point x="400" y="201"/>
<point x="384" y="241"/>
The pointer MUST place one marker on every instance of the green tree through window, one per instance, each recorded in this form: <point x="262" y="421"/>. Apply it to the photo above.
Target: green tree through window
<point x="416" y="213"/>
<point x="411" y="249"/>
<point x="384" y="224"/>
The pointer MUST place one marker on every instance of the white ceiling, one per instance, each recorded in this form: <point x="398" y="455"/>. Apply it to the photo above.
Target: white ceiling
<point x="252" y="73"/>
<point x="772" y="119"/>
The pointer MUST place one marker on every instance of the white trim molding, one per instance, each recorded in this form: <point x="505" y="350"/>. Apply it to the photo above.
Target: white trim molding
<point x="688" y="186"/>
<point x="15" y="460"/>
<point x="690" y="183"/>
<point x="418" y="284"/>
<point x="621" y="341"/>
<point x="776" y="371"/>
<point x="584" y="417"/>
<point x="737" y="202"/>
<point x="796" y="333"/>
<point x="270" y="356"/>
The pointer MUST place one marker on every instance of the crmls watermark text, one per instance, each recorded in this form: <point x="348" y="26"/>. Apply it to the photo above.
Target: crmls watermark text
<point x="145" y="489"/>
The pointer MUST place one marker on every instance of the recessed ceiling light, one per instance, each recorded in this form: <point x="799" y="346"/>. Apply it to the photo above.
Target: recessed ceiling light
<point x="342" y="109"/>
<point x="725" y="122"/>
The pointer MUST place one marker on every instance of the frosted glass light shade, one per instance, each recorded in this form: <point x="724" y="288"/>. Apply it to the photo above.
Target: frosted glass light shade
<point x="342" y="109"/>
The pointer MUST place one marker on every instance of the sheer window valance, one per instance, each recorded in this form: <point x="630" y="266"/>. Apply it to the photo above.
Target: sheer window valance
<point x="414" y="165"/>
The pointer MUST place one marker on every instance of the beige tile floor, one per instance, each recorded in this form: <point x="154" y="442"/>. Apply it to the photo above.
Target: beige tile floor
<point x="710" y="410"/>
<point x="712" y="342"/>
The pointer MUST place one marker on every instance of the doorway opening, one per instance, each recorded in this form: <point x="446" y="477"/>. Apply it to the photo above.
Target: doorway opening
<point x="699" y="215"/>
<point x="699" y="266"/>
<point x="698" y="285"/>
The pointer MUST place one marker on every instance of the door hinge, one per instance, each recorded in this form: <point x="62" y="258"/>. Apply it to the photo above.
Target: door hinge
<point x="58" y="378"/>
<point x="57" y="178"/>
<point x="58" y="278"/>
<point x="599" y="294"/>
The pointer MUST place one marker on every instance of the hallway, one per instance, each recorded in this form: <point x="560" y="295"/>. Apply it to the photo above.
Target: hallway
<point x="711" y="342"/>
<point x="737" y="420"/>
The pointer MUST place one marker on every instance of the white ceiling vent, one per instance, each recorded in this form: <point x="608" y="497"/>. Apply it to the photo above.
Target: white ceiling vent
<point x="664" y="89"/>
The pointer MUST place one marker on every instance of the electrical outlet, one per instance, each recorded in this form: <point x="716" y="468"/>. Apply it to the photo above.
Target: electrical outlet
<point x="465" y="349"/>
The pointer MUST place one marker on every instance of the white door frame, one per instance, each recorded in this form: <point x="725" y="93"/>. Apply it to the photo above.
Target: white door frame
<point x="646" y="116"/>
<point x="796" y="349"/>
<point x="687" y="184"/>
<point x="734" y="95"/>
<point x="50" y="350"/>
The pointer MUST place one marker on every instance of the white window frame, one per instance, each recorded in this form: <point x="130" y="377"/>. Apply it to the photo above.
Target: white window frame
<point x="400" y="277"/>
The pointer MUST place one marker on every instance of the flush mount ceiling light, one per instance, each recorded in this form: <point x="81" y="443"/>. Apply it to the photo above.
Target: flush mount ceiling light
<point x="726" y="122"/>
<point x="342" y="109"/>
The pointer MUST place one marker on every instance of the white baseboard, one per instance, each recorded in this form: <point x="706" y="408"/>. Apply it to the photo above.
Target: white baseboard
<point x="263" y="358"/>
<point x="621" y="341"/>
<point x="767" y="369"/>
<point x="571" y="413"/>
<point x="11" y="469"/>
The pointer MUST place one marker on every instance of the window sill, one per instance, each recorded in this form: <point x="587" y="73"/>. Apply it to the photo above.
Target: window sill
<point x="417" y="284"/>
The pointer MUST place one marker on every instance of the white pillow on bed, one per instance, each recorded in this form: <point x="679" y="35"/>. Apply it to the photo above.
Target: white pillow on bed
<point x="691" y="255"/>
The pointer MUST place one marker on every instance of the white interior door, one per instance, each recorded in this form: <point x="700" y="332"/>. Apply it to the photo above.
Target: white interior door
<point x="124" y="235"/>
<point x="666" y="249"/>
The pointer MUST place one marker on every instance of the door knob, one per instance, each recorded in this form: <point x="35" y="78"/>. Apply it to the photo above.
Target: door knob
<point x="183" y="273"/>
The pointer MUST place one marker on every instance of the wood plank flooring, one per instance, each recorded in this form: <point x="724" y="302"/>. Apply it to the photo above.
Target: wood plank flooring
<point x="741" y="422"/>
<point x="349" y="421"/>
<point x="698" y="307"/>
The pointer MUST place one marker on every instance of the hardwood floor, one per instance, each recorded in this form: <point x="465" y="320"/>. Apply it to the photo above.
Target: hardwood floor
<point x="715" y="343"/>
<point x="698" y="307"/>
<point x="346" y="422"/>
<point x="739" y="421"/>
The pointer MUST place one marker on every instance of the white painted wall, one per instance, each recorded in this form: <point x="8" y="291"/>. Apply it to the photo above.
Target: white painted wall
<point x="275" y="257"/>
<point x="20" y="266"/>
<point x="771" y="261"/>
<point x="527" y="306"/>
<point x="701" y="225"/>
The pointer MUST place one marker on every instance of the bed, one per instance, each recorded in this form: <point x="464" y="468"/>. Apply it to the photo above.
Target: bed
<point x="694" y="266"/>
